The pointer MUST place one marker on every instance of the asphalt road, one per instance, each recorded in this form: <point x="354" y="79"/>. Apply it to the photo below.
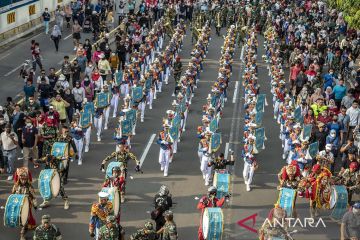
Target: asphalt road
<point x="184" y="180"/>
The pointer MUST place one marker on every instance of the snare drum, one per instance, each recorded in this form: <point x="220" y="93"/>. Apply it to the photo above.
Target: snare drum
<point x="213" y="223"/>
<point x="49" y="184"/>
<point x="114" y="198"/>
<point x="17" y="210"/>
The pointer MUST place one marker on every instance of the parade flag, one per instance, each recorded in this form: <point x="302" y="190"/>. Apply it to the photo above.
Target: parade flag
<point x="137" y="94"/>
<point x="182" y="106"/>
<point x="306" y="132"/>
<point x="297" y="115"/>
<point x="313" y="149"/>
<point x="102" y="100"/>
<point x="89" y="107"/>
<point x="213" y="125"/>
<point x="131" y="116"/>
<point x="215" y="142"/>
<point x="126" y="127"/>
<point x="286" y="201"/>
<point x="260" y="139"/>
<point x="213" y="100"/>
<point x="148" y="83"/>
<point x="174" y="133"/>
<point x="188" y="92"/>
<point x="118" y="78"/>
<point x="85" y="119"/>
<point x="260" y="103"/>
<point x="338" y="201"/>
<point x="177" y="120"/>
<point x="258" y="118"/>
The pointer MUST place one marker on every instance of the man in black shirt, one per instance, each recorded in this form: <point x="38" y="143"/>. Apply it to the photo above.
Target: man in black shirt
<point x="45" y="91"/>
<point x="53" y="78"/>
<point x="320" y="136"/>
<point x="121" y="52"/>
<point x="76" y="70"/>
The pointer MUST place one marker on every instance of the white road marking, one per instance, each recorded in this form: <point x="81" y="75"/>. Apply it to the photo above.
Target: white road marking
<point x="235" y="92"/>
<point x="14" y="70"/>
<point x="1" y="58"/>
<point x="67" y="36"/>
<point x="143" y="156"/>
<point x="226" y="150"/>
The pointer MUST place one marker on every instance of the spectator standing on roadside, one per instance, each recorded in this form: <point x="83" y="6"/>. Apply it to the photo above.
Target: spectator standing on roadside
<point x="9" y="142"/>
<point x="79" y="95"/>
<point x="46" y="18"/>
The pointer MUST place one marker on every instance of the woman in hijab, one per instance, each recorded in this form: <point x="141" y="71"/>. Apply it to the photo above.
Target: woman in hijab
<point x="56" y="36"/>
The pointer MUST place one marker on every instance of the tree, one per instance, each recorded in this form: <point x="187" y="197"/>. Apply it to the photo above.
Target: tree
<point x="350" y="9"/>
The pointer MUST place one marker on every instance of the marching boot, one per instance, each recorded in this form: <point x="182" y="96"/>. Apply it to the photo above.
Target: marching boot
<point x="122" y="197"/>
<point x="44" y="204"/>
<point x="66" y="204"/>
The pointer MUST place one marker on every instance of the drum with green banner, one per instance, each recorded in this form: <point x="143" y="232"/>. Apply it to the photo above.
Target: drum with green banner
<point x="222" y="183"/>
<point x="286" y="201"/>
<point x="17" y="210"/>
<point x="338" y="201"/>
<point x="110" y="166"/>
<point x="213" y="223"/>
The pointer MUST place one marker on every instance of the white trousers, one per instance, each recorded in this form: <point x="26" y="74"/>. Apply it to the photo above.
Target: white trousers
<point x="87" y="137"/>
<point x="141" y="107"/>
<point x="248" y="172"/>
<point x="98" y="125"/>
<point x="124" y="89"/>
<point x="79" y="146"/>
<point x="164" y="158"/>
<point x="106" y="115"/>
<point x="161" y="41"/>
<point x="115" y="100"/>
<point x="174" y="146"/>
<point x="205" y="169"/>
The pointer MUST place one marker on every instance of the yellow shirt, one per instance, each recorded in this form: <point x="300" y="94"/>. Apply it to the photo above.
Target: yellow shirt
<point x="60" y="107"/>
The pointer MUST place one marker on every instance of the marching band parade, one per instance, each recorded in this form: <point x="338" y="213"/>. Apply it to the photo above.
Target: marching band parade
<point x="290" y="71"/>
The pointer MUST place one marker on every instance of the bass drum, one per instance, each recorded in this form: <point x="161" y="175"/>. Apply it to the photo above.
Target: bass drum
<point x="49" y="184"/>
<point x="17" y="210"/>
<point x="114" y="198"/>
<point x="212" y="223"/>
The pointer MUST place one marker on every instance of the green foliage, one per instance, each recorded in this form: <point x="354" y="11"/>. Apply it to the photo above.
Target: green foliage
<point x="350" y="9"/>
